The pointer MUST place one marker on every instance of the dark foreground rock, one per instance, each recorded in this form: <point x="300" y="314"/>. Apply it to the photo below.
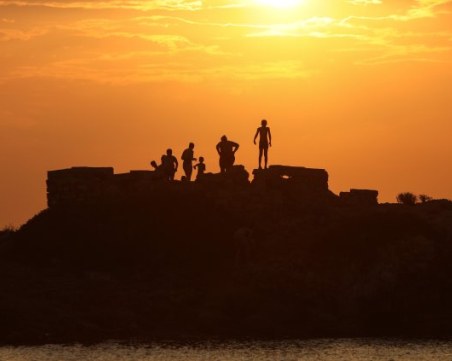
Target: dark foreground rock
<point x="201" y="262"/>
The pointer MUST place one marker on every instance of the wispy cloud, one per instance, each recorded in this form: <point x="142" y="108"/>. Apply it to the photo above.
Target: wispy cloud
<point x="117" y="69"/>
<point x="16" y="34"/>
<point x="198" y="40"/>
<point x="109" y="4"/>
<point x="366" y="2"/>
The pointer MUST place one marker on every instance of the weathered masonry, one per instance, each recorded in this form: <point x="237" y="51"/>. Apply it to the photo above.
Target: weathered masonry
<point x="80" y="185"/>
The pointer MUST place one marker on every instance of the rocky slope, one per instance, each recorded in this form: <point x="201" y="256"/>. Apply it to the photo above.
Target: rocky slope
<point x="187" y="263"/>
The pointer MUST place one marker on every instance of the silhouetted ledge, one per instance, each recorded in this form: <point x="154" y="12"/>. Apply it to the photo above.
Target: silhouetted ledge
<point x="87" y="184"/>
<point x="132" y="257"/>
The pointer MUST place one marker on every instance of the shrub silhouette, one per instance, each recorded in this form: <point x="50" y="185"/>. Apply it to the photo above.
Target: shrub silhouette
<point x="407" y="198"/>
<point x="425" y="198"/>
<point x="7" y="231"/>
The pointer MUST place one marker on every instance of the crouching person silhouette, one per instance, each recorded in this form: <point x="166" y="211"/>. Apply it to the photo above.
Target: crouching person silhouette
<point x="158" y="170"/>
<point x="226" y="150"/>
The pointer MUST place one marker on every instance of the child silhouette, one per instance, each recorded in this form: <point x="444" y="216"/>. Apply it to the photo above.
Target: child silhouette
<point x="201" y="168"/>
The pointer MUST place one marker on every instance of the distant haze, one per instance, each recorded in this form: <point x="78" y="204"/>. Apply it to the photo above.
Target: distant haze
<point x="361" y="88"/>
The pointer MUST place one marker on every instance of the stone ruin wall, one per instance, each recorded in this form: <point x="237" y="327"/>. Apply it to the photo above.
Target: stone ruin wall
<point x="79" y="185"/>
<point x="76" y="185"/>
<point x="359" y="197"/>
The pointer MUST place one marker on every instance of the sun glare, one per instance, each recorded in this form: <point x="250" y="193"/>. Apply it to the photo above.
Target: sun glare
<point x="279" y="3"/>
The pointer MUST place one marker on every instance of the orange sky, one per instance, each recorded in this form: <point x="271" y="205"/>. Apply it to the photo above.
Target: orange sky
<point x="362" y="88"/>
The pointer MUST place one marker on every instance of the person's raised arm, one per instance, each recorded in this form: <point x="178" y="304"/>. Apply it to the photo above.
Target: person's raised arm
<point x="257" y="133"/>
<point x="269" y="137"/>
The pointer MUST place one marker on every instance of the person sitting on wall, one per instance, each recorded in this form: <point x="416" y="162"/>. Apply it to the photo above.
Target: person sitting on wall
<point x="265" y="141"/>
<point x="158" y="170"/>
<point x="201" y="166"/>
<point x="226" y="149"/>
<point x="187" y="157"/>
<point x="169" y="165"/>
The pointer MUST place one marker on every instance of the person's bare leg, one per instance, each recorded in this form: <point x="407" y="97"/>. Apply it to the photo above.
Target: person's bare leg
<point x="260" y="157"/>
<point x="266" y="157"/>
<point x="188" y="171"/>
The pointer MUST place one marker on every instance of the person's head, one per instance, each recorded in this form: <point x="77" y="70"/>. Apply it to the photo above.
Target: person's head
<point x="264" y="122"/>
<point x="191" y="145"/>
<point x="169" y="151"/>
<point x="224" y="138"/>
<point x="201" y="159"/>
<point x="154" y="164"/>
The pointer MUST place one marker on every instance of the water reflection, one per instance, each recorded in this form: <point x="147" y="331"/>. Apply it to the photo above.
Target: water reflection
<point x="312" y="350"/>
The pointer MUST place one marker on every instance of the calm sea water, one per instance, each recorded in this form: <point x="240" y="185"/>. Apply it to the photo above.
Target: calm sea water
<point x="313" y="350"/>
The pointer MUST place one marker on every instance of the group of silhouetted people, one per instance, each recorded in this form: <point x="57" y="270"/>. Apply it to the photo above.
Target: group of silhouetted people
<point x="169" y="164"/>
<point x="226" y="150"/>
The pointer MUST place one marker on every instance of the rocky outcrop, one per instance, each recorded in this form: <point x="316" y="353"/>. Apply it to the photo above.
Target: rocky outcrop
<point x="360" y="197"/>
<point x="281" y="257"/>
<point x="298" y="177"/>
<point x="236" y="177"/>
<point x="271" y="187"/>
<point x="77" y="185"/>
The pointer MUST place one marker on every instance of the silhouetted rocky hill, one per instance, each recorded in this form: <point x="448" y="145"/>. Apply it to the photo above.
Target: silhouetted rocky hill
<point x="221" y="258"/>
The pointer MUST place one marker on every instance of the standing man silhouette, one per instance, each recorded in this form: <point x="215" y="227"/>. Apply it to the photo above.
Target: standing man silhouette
<point x="169" y="164"/>
<point x="226" y="149"/>
<point x="187" y="157"/>
<point x="265" y="141"/>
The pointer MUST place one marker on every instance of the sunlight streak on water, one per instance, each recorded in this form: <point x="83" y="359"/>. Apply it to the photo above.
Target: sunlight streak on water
<point x="312" y="350"/>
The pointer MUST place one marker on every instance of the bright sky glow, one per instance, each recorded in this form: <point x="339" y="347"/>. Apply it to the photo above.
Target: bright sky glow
<point x="280" y="3"/>
<point x="362" y="88"/>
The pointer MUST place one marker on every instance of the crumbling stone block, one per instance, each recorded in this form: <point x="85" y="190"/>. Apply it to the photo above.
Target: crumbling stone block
<point x="359" y="197"/>
<point x="77" y="184"/>
<point x="278" y="175"/>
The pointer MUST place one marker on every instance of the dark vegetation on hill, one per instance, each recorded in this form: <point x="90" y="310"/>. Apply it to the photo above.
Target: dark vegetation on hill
<point x="183" y="265"/>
